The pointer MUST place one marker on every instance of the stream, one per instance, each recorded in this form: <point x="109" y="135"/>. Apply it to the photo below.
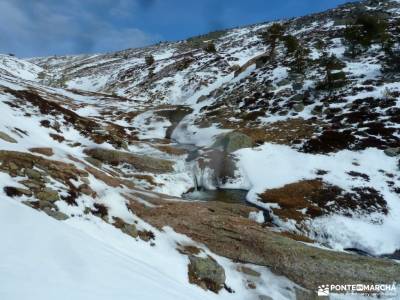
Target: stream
<point x="201" y="190"/>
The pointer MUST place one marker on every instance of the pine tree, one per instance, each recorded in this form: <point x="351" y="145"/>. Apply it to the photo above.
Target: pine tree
<point x="300" y="60"/>
<point x="272" y="35"/>
<point x="149" y="59"/>
<point x="366" y="30"/>
<point x="291" y="43"/>
<point x="210" y="48"/>
<point x="335" y="77"/>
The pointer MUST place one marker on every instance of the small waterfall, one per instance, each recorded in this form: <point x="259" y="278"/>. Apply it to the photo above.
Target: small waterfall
<point x="203" y="178"/>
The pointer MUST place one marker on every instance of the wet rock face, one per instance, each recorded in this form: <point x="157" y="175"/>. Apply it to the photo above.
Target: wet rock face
<point x="206" y="273"/>
<point x="221" y="164"/>
<point x="174" y="115"/>
<point x="233" y="141"/>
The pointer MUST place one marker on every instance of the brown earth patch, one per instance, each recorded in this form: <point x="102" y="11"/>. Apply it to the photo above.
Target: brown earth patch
<point x="313" y="198"/>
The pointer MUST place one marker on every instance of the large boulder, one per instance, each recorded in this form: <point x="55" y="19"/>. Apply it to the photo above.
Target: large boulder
<point x="392" y="151"/>
<point x="206" y="273"/>
<point x="232" y="141"/>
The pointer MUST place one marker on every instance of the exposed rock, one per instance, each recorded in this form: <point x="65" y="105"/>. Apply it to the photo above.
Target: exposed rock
<point x="394" y="255"/>
<point x="263" y="297"/>
<point x="222" y="165"/>
<point x="233" y="141"/>
<point x="43" y="150"/>
<point x="129" y="229"/>
<point x="48" y="194"/>
<point x="33" y="174"/>
<point x="298" y="107"/>
<point x="56" y="214"/>
<point x="4" y="136"/>
<point x="392" y="151"/>
<point x="174" y="115"/>
<point x="221" y="226"/>
<point x="11" y="191"/>
<point x="248" y="271"/>
<point x="138" y="162"/>
<point x="146" y="235"/>
<point x="95" y="162"/>
<point x="206" y="273"/>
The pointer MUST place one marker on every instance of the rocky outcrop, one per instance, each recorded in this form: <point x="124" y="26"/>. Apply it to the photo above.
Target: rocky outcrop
<point x="39" y="172"/>
<point x="141" y="163"/>
<point x="232" y="141"/>
<point x="227" y="231"/>
<point x="174" y="115"/>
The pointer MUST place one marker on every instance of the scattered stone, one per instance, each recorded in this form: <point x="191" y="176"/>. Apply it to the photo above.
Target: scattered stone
<point x="129" y="229"/>
<point x="100" y="210"/>
<point x="298" y="107"/>
<point x="146" y="235"/>
<point x="392" y="151"/>
<point x="95" y="162"/>
<point x="248" y="271"/>
<point x="206" y="273"/>
<point x="34" y="185"/>
<point x="263" y="297"/>
<point x="16" y="192"/>
<point x="33" y="174"/>
<point x="283" y="82"/>
<point x="46" y="205"/>
<point x="56" y="214"/>
<point x="48" y="194"/>
<point x="189" y="250"/>
<point x="85" y="189"/>
<point x="43" y="150"/>
<point x="4" y="136"/>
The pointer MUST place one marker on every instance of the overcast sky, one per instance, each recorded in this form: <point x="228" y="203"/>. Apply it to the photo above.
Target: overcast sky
<point x="46" y="27"/>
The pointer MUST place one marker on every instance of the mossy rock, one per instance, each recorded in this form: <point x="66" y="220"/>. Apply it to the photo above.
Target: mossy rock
<point x="206" y="273"/>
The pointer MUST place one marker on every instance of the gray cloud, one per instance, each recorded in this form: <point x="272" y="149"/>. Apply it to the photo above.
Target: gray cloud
<point x="33" y="28"/>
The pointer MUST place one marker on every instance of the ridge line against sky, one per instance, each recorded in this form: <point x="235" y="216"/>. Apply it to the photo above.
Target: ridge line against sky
<point x="48" y="27"/>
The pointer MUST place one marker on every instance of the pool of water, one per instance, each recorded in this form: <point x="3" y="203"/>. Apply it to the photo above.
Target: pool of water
<point x="222" y="195"/>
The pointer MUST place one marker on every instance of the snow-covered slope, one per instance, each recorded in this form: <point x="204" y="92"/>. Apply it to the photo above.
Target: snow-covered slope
<point x="96" y="141"/>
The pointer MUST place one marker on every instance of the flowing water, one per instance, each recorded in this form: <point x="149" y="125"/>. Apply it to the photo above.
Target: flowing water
<point x="222" y="195"/>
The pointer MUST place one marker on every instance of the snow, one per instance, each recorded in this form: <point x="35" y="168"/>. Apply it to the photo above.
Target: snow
<point x="72" y="264"/>
<point x="273" y="166"/>
<point x="78" y="259"/>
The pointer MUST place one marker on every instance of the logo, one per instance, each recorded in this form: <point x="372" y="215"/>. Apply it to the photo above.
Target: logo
<point x="363" y="289"/>
<point x="323" y="290"/>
